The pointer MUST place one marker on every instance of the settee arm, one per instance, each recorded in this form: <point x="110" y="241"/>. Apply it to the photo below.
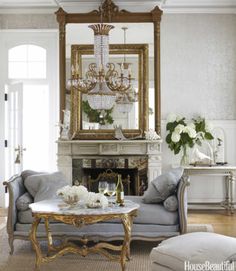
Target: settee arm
<point x="15" y="188"/>
<point x="183" y="203"/>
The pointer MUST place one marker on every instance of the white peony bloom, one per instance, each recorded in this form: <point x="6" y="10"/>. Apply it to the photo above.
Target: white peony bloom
<point x="178" y="118"/>
<point x="103" y="200"/>
<point x="208" y="126"/>
<point x="191" y="132"/>
<point x="81" y="191"/>
<point x="191" y="125"/>
<point x="175" y="137"/>
<point x="171" y="117"/>
<point x="179" y="128"/>
<point x="69" y="192"/>
<point x="96" y="200"/>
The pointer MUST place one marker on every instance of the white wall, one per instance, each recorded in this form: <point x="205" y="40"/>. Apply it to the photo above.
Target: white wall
<point x="198" y="67"/>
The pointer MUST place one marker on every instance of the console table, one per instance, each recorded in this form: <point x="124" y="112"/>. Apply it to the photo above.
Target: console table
<point x="228" y="172"/>
<point x="49" y="210"/>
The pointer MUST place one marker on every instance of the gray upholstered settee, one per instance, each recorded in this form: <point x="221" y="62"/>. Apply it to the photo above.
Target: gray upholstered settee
<point x="153" y="222"/>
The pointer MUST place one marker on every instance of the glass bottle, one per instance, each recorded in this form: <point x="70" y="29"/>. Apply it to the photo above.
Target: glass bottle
<point x="119" y="191"/>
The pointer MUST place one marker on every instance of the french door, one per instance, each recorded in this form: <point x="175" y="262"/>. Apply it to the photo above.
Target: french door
<point x="14" y="129"/>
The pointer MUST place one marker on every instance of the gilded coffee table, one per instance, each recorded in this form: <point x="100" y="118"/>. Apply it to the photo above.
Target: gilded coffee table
<point x="79" y="216"/>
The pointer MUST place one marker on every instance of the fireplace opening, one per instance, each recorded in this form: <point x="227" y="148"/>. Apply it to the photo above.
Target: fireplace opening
<point x="133" y="171"/>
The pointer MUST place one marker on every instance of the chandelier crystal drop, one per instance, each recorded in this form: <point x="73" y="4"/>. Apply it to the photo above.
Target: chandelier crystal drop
<point x="101" y="97"/>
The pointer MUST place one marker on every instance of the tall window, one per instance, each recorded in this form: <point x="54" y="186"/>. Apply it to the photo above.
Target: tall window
<point x="28" y="64"/>
<point x="27" y="61"/>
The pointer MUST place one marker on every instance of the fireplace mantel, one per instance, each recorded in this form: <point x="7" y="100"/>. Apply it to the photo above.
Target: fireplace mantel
<point x="74" y="149"/>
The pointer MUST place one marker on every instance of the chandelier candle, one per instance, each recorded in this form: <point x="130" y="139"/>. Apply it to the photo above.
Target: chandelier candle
<point x="120" y="191"/>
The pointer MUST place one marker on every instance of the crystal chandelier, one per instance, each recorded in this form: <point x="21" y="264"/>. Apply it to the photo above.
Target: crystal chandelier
<point x="102" y="81"/>
<point x="125" y="100"/>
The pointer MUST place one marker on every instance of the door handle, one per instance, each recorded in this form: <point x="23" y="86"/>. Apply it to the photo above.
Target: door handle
<point x="19" y="154"/>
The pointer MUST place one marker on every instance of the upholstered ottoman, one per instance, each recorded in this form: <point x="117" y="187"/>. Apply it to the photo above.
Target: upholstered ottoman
<point x="186" y="251"/>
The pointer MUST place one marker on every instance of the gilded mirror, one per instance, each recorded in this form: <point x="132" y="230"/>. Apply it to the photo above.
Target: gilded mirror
<point x="88" y="124"/>
<point x="111" y="14"/>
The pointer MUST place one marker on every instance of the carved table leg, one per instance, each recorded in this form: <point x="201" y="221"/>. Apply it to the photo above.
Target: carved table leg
<point x="125" y="252"/>
<point x="35" y="242"/>
<point x="49" y="236"/>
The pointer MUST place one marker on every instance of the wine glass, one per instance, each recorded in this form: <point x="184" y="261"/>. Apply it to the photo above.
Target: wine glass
<point x="111" y="190"/>
<point x="102" y="187"/>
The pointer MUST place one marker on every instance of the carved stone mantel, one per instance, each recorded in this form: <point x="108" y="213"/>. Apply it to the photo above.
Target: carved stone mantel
<point x="69" y="150"/>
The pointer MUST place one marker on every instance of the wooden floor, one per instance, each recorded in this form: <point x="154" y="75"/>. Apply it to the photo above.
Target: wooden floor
<point x="220" y="220"/>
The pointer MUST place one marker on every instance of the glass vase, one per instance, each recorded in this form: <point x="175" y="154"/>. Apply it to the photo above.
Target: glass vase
<point x="185" y="156"/>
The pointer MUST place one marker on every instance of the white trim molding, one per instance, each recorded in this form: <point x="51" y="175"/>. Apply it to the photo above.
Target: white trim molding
<point x="75" y="6"/>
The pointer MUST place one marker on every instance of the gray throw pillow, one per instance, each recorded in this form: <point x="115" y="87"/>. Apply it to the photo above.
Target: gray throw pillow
<point x="49" y="185"/>
<point x="166" y="184"/>
<point x="40" y="183"/>
<point x="151" y="195"/>
<point x="163" y="186"/>
<point x="22" y="203"/>
<point x="27" y="173"/>
<point x="171" y="203"/>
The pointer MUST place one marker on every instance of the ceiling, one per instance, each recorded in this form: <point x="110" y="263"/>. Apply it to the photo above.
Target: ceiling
<point x="168" y="6"/>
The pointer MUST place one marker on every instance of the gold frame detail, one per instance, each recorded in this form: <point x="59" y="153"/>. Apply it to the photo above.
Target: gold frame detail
<point x="79" y="221"/>
<point x="112" y="14"/>
<point x="141" y="50"/>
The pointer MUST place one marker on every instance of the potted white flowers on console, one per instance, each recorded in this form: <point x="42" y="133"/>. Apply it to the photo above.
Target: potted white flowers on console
<point x="182" y="135"/>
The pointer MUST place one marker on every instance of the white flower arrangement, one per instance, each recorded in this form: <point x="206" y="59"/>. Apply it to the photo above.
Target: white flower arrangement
<point x="151" y="135"/>
<point x="182" y="134"/>
<point x="73" y="194"/>
<point x="96" y="200"/>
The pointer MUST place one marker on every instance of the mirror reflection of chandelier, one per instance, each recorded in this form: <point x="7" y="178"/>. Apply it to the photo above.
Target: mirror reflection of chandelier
<point x="126" y="100"/>
<point x="102" y="81"/>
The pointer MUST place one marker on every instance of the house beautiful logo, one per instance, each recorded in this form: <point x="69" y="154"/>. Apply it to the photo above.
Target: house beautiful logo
<point x="206" y="266"/>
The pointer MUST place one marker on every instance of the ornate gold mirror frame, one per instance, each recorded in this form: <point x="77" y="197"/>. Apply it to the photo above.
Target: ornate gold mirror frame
<point x="141" y="50"/>
<point x="111" y="14"/>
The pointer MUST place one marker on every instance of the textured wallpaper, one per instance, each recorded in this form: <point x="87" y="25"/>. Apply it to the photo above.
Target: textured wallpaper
<point x="198" y="65"/>
<point x="28" y="21"/>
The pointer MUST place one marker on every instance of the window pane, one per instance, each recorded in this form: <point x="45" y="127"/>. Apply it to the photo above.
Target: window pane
<point x="18" y="53"/>
<point x="17" y="70"/>
<point x="36" y="53"/>
<point x="36" y="70"/>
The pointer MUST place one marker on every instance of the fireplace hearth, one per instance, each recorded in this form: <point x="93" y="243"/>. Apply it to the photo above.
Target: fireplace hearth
<point x="133" y="168"/>
<point x="80" y="158"/>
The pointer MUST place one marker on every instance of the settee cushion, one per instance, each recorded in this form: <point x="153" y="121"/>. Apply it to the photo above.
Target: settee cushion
<point x="44" y="186"/>
<point x="171" y="203"/>
<point x="163" y="186"/>
<point x="23" y="202"/>
<point x="148" y="214"/>
<point x="153" y="213"/>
